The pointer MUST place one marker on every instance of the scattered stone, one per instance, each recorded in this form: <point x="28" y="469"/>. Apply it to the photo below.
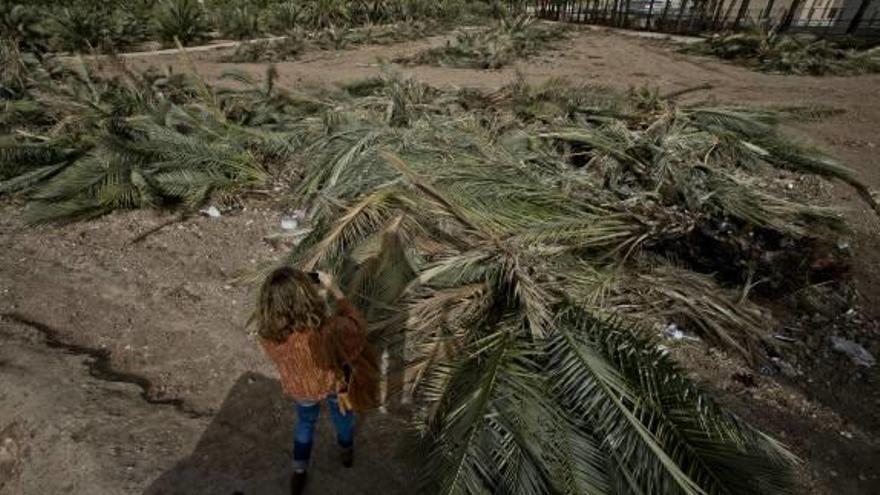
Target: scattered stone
<point x="858" y="354"/>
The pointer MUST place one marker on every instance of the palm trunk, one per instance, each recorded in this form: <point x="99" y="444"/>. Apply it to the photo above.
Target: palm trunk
<point x="789" y="16"/>
<point x="662" y="20"/>
<point x="605" y="5"/>
<point x="650" y="15"/>
<point x="768" y="10"/>
<point x="719" y="7"/>
<point x="743" y="8"/>
<point x="727" y="13"/>
<point x="854" y="25"/>
<point x="680" y="15"/>
<point x="624" y="16"/>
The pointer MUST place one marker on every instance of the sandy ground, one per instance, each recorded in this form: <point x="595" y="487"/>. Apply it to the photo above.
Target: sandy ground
<point x="126" y="368"/>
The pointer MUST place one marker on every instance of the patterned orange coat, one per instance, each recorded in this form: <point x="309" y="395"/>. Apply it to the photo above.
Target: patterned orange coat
<point x="307" y="372"/>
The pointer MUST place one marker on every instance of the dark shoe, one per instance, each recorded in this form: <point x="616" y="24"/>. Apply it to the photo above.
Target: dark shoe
<point x="297" y="483"/>
<point x="347" y="456"/>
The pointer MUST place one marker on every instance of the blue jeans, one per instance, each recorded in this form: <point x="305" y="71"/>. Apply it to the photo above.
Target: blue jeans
<point x="307" y="413"/>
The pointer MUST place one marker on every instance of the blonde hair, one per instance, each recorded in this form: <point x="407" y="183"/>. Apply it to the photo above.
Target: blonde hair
<point x="288" y="302"/>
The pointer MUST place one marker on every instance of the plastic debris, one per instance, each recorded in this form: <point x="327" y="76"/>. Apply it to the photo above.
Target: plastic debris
<point x="289" y="223"/>
<point x="294" y="228"/>
<point x="212" y="212"/>
<point x="784" y="338"/>
<point x="673" y="332"/>
<point x="858" y="354"/>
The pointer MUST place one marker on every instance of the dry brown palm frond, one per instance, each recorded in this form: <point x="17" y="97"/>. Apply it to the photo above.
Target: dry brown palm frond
<point x="658" y="294"/>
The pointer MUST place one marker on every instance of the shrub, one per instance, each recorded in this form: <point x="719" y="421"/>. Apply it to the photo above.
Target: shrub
<point x="283" y="17"/>
<point x="321" y="14"/>
<point x="23" y="25"/>
<point x="101" y="26"/>
<point x="181" y="19"/>
<point x="241" y="22"/>
<point x="80" y="28"/>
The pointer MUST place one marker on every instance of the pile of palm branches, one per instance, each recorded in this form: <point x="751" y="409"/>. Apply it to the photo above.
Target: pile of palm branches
<point x="511" y="39"/>
<point x="80" y="145"/>
<point x="295" y="43"/>
<point x="519" y="249"/>
<point x="789" y="54"/>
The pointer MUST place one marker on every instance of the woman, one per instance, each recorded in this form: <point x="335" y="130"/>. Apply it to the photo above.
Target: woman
<point x="310" y="348"/>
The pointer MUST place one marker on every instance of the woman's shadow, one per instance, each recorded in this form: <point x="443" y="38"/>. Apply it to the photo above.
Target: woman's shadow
<point x="247" y="449"/>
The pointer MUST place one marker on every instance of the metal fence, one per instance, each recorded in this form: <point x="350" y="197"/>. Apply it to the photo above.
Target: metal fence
<point x="699" y="16"/>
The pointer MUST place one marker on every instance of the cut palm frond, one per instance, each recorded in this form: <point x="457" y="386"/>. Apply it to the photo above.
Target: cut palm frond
<point x="788" y="54"/>
<point x="491" y="48"/>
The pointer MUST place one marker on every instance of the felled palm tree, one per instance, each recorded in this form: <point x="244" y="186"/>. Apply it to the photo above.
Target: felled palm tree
<point x="131" y="142"/>
<point x="520" y="388"/>
<point x="518" y="252"/>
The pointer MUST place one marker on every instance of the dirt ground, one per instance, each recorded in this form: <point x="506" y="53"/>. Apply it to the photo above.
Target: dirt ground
<point x="126" y="368"/>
